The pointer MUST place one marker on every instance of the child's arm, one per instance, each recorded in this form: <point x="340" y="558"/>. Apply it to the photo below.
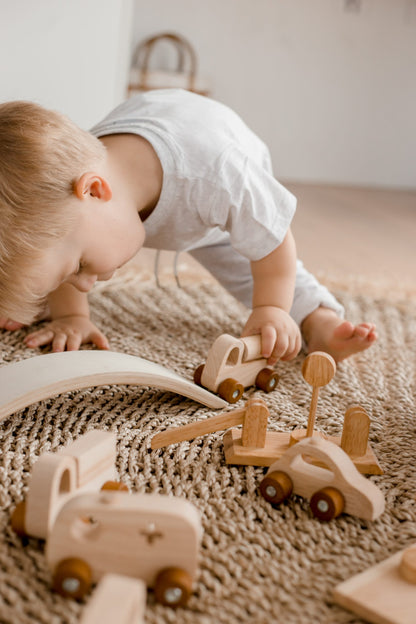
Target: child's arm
<point x="70" y="325"/>
<point x="273" y="288"/>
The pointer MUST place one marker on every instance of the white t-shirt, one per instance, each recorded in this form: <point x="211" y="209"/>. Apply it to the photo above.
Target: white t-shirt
<point x="217" y="174"/>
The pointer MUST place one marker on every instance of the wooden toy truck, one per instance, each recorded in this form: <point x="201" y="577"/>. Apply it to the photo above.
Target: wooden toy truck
<point x="385" y="593"/>
<point x="144" y="536"/>
<point x="234" y="364"/>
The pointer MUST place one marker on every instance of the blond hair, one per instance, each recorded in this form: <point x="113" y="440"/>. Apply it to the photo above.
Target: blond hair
<point x="42" y="155"/>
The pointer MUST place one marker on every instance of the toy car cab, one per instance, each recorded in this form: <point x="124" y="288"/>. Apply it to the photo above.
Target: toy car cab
<point x="146" y="536"/>
<point x="338" y="487"/>
<point x="232" y="365"/>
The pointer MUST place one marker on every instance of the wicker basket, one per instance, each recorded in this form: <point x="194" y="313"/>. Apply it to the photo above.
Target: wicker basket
<point x="142" y="78"/>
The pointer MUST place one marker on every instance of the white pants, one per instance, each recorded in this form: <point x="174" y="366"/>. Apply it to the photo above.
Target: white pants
<point x="233" y="271"/>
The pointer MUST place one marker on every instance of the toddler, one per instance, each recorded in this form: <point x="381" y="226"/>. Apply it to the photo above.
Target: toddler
<point x="169" y="169"/>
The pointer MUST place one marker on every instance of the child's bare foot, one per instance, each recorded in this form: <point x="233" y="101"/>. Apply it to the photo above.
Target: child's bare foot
<point x="323" y="330"/>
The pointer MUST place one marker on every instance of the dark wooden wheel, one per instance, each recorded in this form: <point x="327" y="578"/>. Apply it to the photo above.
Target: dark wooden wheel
<point x="276" y="487"/>
<point x="198" y="374"/>
<point x="72" y="578"/>
<point x="327" y="503"/>
<point x="17" y="519"/>
<point x="115" y="485"/>
<point x="267" y="379"/>
<point x="230" y="390"/>
<point x="173" y="587"/>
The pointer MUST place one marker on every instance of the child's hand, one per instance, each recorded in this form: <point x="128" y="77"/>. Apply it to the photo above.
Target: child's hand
<point x="67" y="332"/>
<point x="10" y="324"/>
<point x="280" y="336"/>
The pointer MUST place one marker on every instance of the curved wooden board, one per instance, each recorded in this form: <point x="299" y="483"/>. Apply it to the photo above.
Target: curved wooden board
<point x="43" y="376"/>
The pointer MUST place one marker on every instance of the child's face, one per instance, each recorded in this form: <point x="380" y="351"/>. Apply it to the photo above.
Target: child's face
<point x="102" y="241"/>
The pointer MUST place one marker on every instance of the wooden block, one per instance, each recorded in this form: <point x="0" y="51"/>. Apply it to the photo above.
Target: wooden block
<point x="235" y="453"/>
<point x="195" y="429"/>
<point x="255" y="423"/>
<point x="355" y="431"/>
<point x="380" y="595"/>
<point x="53" y="481"/>
<point x="95" y="456"/>
<point x="116" y="600"/>
<point x="43" y="376"/>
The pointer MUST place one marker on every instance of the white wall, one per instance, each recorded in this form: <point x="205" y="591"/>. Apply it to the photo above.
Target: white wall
<point x="333" y="92"/>
<point x="70" y="55"/>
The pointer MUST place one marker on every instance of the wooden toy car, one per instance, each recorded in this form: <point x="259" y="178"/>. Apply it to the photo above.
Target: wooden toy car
<point x="84" y="465"/>
<point x="234" y="364"/>
<point x="146" y="536"/>
<point x="335" y="488"/>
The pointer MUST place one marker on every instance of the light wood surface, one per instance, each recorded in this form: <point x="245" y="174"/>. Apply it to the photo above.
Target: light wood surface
<point x="380" y="594"/>
<point x="355" y="432"/>
<point x="318" y="369"/>
<point x="196" y="429"/>
<point x="42" y="376"/>
<point x="116" y="600"/>
<point x="253" y="416"/>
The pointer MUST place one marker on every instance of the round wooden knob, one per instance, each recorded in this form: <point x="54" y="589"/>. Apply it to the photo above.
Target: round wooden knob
<point x="318" y="369"/>
<point x="408" y="564"/>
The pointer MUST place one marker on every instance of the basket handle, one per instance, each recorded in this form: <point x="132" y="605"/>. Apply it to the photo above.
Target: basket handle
<point x="184" y="49"/>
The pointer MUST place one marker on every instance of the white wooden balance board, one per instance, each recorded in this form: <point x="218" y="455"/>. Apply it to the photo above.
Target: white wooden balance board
<point x="43" y="376"/>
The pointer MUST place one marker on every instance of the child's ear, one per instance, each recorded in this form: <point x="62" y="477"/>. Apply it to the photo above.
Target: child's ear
<point x="92" y="185"/>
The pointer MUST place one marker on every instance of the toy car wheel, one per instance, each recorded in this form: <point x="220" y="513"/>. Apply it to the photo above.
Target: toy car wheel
<point x="276" y="487"/>
<point x="267" y="379"/>
<point x="198" y="375"/>
<point x="230" y="390"/>
<point x="327" y="503"/>
<point x="72" y="578"/>
<point x="173" y="587"/>
<point x="17" y="519"/>
<point x="115" y="485"/>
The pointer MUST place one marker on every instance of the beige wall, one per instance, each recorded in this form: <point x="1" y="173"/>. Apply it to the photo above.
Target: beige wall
<point x="71" y="55"/>
<point x="333" y="92"/>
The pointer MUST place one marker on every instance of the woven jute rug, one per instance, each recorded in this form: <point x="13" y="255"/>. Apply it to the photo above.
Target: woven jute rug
<point x="258" y="564"/>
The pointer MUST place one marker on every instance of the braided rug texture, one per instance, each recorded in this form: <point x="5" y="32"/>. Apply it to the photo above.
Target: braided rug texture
<point x="258" y="564"/>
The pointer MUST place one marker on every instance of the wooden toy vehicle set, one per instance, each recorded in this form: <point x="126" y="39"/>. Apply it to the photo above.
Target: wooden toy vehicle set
<point x="254" y="445"/>
<point x="97" y="532"/>
<point x="90" y="534"/>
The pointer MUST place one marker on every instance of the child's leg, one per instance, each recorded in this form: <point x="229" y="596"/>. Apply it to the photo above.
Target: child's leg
<point x="316" y="311"/>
